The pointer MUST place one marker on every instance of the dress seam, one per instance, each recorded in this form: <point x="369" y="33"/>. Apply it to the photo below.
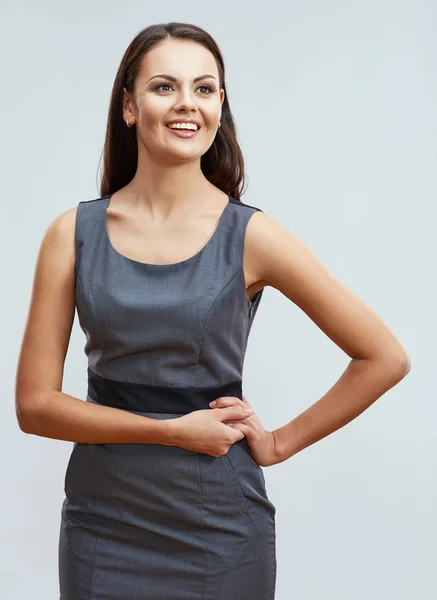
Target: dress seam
<point x="205" y="321"/>
<point x="204" y="532"/>
<point x="94" y="559"/>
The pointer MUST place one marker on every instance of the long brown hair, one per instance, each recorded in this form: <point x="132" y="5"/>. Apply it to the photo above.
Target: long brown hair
<point x="222" y="164"/>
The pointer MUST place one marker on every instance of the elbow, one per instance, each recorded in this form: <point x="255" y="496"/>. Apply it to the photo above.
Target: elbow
<point x="406" y="366"/>
<point x="27" y="411"/>
<point x="399" y="363"/>
<point x="23" y="423"/>
<point x="395" y="362"/>
<point x="25" y="419"/>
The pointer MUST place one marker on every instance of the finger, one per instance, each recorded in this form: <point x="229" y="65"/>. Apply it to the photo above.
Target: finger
<point x="231" y="413"/>
<point x="246" y="401"/>
<point x="243" y="428"/>
<point x="222" y="401"/>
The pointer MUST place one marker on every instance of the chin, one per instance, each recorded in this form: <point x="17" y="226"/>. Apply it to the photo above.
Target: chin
<point x="187" y="154"/>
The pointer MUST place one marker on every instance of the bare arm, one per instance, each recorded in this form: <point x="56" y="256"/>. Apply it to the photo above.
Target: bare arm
<point x="63" y="417"/>
<point x="379" y="360"/>
<point x="361" y="384"/>
<point x="41" y="407"/>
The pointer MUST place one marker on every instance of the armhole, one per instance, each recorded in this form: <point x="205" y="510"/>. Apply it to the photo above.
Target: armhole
<point x="255" y="210"/>
<point x="251" y="304"/>
<point x="76" y="247"/>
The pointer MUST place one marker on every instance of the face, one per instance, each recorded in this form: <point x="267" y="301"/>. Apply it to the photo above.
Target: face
<point x="187" y="88"/>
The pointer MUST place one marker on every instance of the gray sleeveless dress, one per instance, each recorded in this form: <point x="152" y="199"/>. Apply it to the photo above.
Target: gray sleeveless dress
<point x="148" y="521"/>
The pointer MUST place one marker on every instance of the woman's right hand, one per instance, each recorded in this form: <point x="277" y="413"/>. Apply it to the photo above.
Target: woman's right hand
<point x="204" y="431"/>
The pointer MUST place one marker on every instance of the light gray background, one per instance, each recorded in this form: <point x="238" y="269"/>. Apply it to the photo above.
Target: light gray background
<point x="335" y="108"/>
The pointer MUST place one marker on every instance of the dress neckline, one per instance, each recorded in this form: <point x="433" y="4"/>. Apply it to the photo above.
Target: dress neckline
<point x="114" y="250"/>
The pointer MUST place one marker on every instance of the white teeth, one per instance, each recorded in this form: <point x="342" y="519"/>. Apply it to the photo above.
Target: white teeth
<point x="192" y="126"/>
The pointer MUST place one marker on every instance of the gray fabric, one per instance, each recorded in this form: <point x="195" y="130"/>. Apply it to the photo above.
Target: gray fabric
<point x="147" y="520"/>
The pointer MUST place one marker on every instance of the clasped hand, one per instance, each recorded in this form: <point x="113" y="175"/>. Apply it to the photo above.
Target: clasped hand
<point x="262" y="443"/>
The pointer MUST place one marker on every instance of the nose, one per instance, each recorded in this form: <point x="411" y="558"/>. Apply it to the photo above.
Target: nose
<point x="185" y="101"/>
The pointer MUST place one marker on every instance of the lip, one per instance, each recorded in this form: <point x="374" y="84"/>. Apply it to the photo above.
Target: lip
<point x="183" y="133"/>
<point x="185" y="121"/>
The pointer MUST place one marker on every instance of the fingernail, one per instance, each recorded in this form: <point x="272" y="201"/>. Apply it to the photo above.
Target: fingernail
<point x="213" y="403"/>
<point x="247" y="409"/>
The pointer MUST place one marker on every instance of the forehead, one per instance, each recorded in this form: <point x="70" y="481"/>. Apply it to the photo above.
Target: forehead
<point x="181" y="58"/>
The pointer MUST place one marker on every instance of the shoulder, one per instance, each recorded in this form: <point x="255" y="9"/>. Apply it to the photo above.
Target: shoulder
<point x="278" y="255"/>
<point x="60" y="230"/>
<point x="285" y="262"/>
<point x="57" y="248"/>
<point x="60" y="235"/>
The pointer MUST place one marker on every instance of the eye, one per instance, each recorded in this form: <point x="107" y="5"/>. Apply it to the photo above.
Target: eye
<point x="161" y="85"/>
<point x="207" y="87"/>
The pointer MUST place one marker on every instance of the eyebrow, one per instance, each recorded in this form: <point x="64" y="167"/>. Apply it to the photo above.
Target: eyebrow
<point x="175" y="78"/>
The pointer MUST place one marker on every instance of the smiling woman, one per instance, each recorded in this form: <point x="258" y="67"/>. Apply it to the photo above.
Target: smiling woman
<point x="158" y="92"/>
<point x="163" y="499"/>
<point x="165" y="496"/>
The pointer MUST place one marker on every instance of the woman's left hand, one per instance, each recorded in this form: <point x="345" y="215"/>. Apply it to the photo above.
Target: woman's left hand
<point x="262" y="443"/>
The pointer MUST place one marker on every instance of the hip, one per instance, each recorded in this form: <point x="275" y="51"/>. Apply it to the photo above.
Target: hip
<point x="139" y="481"/>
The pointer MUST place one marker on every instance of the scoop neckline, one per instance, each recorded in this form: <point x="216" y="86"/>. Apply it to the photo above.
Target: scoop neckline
<point x="158" y="265"/>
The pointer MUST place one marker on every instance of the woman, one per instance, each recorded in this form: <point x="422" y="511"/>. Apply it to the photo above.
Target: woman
<point x="164" y="492"/>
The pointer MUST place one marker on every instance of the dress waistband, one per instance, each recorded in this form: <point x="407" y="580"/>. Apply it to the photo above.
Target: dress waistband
<point x="140" y="397"/>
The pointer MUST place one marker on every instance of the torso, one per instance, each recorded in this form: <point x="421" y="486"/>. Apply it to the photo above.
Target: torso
<point x="171" y="242"/>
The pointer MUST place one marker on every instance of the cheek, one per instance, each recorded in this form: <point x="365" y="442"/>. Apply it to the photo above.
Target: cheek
<point x="212" y="116"/>
<point x="152" y="112"/>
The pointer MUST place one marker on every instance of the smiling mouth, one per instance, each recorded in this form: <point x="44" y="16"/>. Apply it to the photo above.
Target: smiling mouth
<point x="182" y="128"/>
<point x="183" y="133"/>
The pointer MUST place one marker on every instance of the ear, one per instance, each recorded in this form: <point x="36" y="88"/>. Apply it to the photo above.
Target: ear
<point x="128" y="114"/>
